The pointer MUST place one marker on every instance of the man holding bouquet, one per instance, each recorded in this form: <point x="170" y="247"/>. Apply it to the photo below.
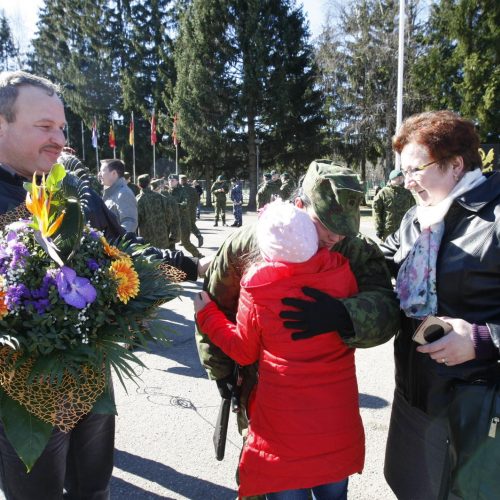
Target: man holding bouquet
<point x="32" y="123"/>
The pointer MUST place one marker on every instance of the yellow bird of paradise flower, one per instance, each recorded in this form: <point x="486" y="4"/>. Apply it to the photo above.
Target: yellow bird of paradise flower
<point x="38" y="203"/>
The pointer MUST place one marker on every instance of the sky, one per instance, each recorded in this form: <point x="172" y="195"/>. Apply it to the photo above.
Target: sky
<point x="23" y="16"/>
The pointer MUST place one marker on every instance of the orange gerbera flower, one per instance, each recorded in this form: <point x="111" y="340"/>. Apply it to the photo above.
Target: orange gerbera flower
<point x="113" y="252"/>
<point x="3" y="306"/>
<point x="127" y="277"/>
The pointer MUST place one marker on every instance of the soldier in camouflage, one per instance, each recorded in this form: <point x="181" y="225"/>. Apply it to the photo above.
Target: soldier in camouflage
<point x="178" y="193"/>
<point x="155" y="216"/>
<point x="287" y="186"/>
<point x="219" y="190"/>
<point x="193" y="199"/>
<point x="174" y="229"/>
<point x="390" y="205"/>
<point x="331" y="195"/>
<point x="267" y="191"/>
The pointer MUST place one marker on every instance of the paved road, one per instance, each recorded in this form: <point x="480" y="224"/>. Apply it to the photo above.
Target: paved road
<point x="165" y="422"/>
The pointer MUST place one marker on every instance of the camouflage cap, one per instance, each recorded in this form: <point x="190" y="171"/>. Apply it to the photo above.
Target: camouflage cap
<point x="174" y="177"/>
<point x="182" y="176"/>
<point x="335" y="193"/>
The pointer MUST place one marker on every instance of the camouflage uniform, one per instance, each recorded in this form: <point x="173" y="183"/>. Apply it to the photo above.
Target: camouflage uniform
<point x="219" y="190"/>
<point x="335" y="195"/>
<point x="179" y="194"/>
<point x="389" y="207"/>
<point x="286" y="189"/>
<point x="155" y="218"/>
<point x="266" y="192"/>
<point x="193" y="199"/>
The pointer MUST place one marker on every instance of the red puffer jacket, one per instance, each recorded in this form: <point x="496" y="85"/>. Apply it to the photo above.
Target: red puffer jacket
<point x="305" y="427"/>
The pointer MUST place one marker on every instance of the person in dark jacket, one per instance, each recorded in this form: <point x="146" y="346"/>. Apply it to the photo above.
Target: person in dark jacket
<point x="32" y="123"/>
<point x="446" y="258"/>
<point x="236" y="196"/>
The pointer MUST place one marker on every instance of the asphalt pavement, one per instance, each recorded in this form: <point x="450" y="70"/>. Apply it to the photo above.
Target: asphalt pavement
<point x="166" y="418"/>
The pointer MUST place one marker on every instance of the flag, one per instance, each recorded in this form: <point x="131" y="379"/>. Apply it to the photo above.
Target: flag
<point x="111" y="137"/>
<point x="94" y="133"/>
<point x="174" y="132"/>
<point x="131" y="131"/>
<point x="153" y="129"/>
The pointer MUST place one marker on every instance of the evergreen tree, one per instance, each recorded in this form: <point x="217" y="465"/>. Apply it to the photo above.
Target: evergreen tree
<point x="358" y="56"/>
<point x="246" y="72"/>
<point x="460" y="69"/>
<point x="8" y="50"/>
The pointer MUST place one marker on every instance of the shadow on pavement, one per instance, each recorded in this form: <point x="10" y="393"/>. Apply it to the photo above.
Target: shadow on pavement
<point x="183" y="484"/>
<point x="368" y="401"/>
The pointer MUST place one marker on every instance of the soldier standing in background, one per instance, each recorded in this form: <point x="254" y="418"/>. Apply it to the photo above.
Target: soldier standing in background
<point x="155" y="216"/>
<point x="220" y="190"/>
<point x="267" y="192"/>
<point x="390" y="205"/>
<point x="174" y="230"/>
<point x="236" y="196"/>
<point x="287" y="186"/>
<point x="193" y="199"/>
<point x="180" y="197"/>
<point x="275" y="179"/>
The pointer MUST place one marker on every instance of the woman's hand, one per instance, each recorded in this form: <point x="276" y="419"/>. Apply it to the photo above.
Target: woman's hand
<point x="454" y="348"/>
<point x="200" y="300"/>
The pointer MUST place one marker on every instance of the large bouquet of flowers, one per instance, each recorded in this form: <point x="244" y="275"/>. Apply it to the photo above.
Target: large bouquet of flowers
<point x="70" y="304"/>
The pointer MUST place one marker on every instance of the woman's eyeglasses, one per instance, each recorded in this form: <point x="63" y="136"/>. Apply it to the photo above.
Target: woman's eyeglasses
<point x="410" y="172"/>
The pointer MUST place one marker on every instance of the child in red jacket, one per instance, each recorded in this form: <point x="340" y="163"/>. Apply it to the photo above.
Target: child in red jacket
<point x="305" y="429"/>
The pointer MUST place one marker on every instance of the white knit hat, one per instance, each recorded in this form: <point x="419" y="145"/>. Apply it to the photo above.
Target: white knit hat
<point x="286" y="233"/>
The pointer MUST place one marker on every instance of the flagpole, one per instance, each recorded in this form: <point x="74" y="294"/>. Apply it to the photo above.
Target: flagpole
<point x="114" y="146"/>
<point x="83" y="142"/>
<point x="176" y="159"/>
<point x="401" y="49"/>
<point x="133" y="147"/>
<point x="96" y="146"/>
<point x="153" y="141"/>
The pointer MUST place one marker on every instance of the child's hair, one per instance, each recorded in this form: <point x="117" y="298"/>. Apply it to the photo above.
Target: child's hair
<point x="286" y="233"/>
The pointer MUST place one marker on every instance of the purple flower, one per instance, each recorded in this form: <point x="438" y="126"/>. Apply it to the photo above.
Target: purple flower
<point x="75" y="291"/>
<point x="15" y="294"/>
<point x="94" y="234"/>
<point x="92" y="265"/>
<point x="19" y="254"/>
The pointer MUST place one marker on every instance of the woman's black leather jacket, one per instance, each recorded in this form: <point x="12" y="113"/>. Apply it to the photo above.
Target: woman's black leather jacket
<point x="468" y="287"/>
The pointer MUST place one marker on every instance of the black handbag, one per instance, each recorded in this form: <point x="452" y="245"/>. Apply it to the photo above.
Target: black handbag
<point x="474" y="447"/>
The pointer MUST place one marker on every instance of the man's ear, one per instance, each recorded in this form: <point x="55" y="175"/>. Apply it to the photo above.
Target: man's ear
<point x="457" y="163"/>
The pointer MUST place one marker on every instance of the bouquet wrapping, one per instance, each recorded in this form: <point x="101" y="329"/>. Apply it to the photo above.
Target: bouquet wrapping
<point x="70" y="305"/>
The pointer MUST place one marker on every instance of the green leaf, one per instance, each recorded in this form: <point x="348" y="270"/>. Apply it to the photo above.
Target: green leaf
<point x="26" y="433"/>
<point x="56" y="175"/>
<point x="105" y="403"/>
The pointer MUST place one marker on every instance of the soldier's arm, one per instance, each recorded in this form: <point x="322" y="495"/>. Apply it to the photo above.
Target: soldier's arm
<point x="222" y="282"/>
<point x="175" y="228"/>
<point x="374" y="310"/>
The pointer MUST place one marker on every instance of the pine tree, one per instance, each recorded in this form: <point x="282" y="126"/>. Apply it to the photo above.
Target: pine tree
<point x="460" y="69"/>
<point x="8" y="50"/>
<point x="246" y="73"/>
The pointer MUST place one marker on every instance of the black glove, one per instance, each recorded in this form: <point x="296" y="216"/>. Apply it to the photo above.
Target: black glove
<point x="226" y="386"/>
<point x="324" y="314"/>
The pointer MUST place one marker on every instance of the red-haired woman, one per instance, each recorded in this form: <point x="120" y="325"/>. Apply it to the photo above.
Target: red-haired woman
<point x="446" y="257"/>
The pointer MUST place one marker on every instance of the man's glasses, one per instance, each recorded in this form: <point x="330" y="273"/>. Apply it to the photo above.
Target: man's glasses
<point x="413" y="171"/>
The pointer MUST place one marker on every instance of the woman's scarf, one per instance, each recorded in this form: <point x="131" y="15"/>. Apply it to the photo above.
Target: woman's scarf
<point x="416" y="281"/>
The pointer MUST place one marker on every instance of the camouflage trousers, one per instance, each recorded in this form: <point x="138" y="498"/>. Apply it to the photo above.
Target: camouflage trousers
<point x="185" y="227"/>
<point x="220" y="211"/>
<point x="194" y="228"/>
